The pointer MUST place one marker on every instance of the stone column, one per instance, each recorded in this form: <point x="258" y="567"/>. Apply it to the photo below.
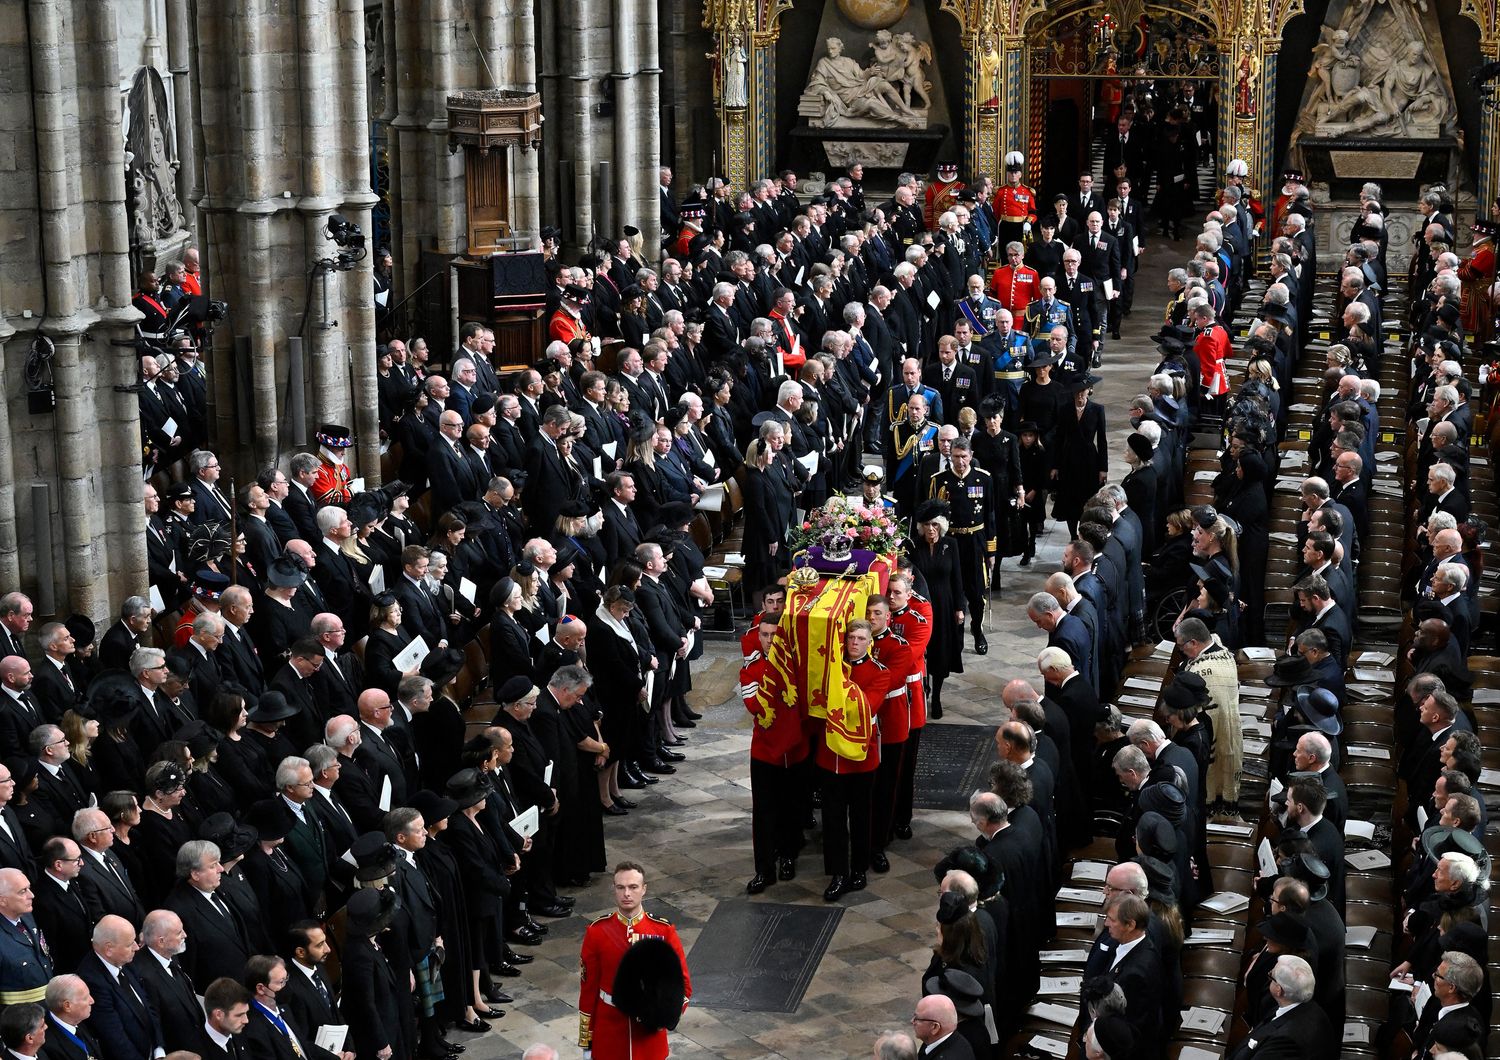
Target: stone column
<point x="180" y="34"/>
<point x="450" y="204"/>
<point x="628" y="155"/>
<point x="10" y="554"/>
<point x="647" y="211"/>
<point x="56" y="108"/>
<point x="407" y="144"/>
<point x="117" y="438"/>
<point x="259" y="263"/>
<point x="525" y="174"/>
<point x="359" y="283"/>
<point x="322" y="180"/>
<point x="575" y="27"/>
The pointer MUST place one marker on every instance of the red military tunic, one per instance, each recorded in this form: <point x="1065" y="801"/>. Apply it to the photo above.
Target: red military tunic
<point x="1015" y="288"/>
<point x="1212" y="347"/>
<point x="1015" y="204"/>
<point x="894" y="653"/>
<point x="332" y="484"/>
<point x="601" y="1027"/>
<point x="874" y="682"/>
<point x="781" y="743"/>
<point x="565" y="327"/>
<point x="941" y="196"/>
<point x="1477" y="274"/>
<point x="914" y="622"/>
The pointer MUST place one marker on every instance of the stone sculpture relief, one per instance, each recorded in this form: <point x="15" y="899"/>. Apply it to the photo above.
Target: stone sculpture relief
<point x="1373" y="74"/>
<point x="892" y="92"/>
<point x="736" y="92"/>
<point x="151" y="171"/>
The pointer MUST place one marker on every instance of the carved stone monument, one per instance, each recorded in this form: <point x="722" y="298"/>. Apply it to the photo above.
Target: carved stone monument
<point x="1379" y="107"/>
<point x="871" y="94"/>
<point x="1376" y="73"/>
<point x="156" y="225"/>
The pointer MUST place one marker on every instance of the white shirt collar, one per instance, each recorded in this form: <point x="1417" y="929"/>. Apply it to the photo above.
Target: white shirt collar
<point x="1124" y="948"/>
<point x="221" y="1040"/>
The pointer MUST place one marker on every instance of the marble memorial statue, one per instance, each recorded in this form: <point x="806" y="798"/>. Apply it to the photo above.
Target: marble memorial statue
<point x="892" y="92"/>
<point x="1374" y="74"/>
<point x="735" y="90"/>
<point x="151" y="171"/>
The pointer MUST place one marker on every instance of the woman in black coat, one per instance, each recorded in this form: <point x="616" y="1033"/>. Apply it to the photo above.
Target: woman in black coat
<point x="1042" y="401"/>
<point x="386" y="641"/>
<point x="936" y="558"/>
<point x="1140" y="488"/>
<point x="369" y="992"/>
<point x="445" y="875"/>
<point x="480" y="856"/>
<point x="1245" y="503"/>
<point x="510" y="643"/>
<point x="1080" y="456"/>
<point x="769" y="505"/>
<point x="619" y="667"/>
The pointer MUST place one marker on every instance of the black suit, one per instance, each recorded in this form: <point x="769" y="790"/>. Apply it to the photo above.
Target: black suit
<point x="239" y="660"/>
<point x="304" y="1005"/>
<point x="122" y="1018"/>
<point x="1304" y="1033"/>
<point x="262" y="1040"/>
<point x="61" y="1046"/>
<point x="304" y="512"/>
<point x="172" y="997"/>
<point x="217" y="942"/>
<point x="52" y="690"/>
<point x="420" y="614"/>
<point x="953" y="1047"/>
<point x="18" y="716"/>
<point x="116" y="645"/>
<point x="15" y="850"/>
<point x="548" y="484"/>
<point x="63" y="918"/>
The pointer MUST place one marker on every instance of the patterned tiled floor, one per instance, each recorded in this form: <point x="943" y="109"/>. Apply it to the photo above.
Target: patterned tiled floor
<point x="692" y="831"/>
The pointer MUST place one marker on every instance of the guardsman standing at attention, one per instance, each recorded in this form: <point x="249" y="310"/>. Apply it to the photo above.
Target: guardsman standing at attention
<point x="606" y="1030"/>
<point x="1015" y="204"/>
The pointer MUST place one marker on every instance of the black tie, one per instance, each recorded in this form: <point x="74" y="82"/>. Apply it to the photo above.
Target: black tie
<point x="111" y="863"/>
<point x="30" y="706"/>
<point x="317" y="978"/>
<point x="221" y="907"/>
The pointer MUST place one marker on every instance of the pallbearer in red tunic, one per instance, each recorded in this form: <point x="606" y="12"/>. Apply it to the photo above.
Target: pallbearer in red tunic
<point x="911" y="616"/>
<point x="849" y="781"/>
<point x="605" y="1030"/>
<point x="894" y="714"/>
<point x="778" y="747"/>
<point x="567" y="322"/>
<point x="332" y="484"/>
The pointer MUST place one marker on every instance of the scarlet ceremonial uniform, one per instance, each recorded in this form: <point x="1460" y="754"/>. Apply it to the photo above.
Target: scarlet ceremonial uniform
<point x="914" y="622"/>
<point x="895" y="655"/>
<point x="1014" y="206"/>
<point x="940" y="197"/>
<point x="848" y="786"/>
<point x="332" y="484"/>
<point x="1477" y="274"/>
<point x="601" y="1027"/>
<point x="1212" y="347"/>
<point x="565" y="327"/>
<point x="778" y="747"/>
<point x="1015" y="287"/>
